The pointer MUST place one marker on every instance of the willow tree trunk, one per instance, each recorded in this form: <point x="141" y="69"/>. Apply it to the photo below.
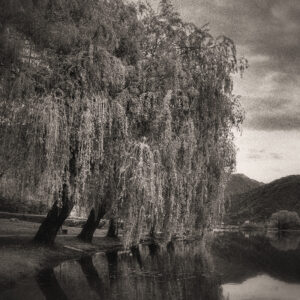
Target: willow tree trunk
<point x="113" y="228"/>
<point x="55" y="219"/>
<point x="58" y="214"/>
<point x="91" y="224"/>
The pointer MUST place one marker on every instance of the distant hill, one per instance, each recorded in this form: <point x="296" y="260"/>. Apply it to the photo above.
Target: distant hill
<point x="240" y="183"/>
<point x="259" y="203"/>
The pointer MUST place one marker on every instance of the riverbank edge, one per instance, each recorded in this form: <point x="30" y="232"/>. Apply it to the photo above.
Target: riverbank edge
<point x="22" y="258"/>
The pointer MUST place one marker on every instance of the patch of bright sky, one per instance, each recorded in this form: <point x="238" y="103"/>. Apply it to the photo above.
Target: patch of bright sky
<point x="268" y="155"/>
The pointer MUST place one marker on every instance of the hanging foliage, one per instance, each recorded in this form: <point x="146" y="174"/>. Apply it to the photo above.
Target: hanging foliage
<point x="107" y="102"/>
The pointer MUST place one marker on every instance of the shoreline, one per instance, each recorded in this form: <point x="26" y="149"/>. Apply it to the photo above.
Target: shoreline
<point x="20" y="257"/>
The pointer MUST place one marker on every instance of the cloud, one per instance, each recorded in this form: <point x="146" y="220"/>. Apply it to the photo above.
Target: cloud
<point x="254" y="105"/>
<point x="255" y="156"/>
<point x="276" y="156"/>
<point x="271" y="114"/>
<point x="267" y="155"/>
<point x="258" y="59"/>
<point x="262" y="155"/>
<point x="270" y="122"/>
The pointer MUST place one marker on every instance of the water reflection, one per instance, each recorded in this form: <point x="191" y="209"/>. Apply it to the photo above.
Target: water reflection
<point x="239" y="258"/>
<point x="236" y="267"/>
<point x="49" y="285"/>
<point x="149" y="273"/>
<point x="284" y="241"/>
<point x="262" y="287"/>
<point x="94" y="280"/>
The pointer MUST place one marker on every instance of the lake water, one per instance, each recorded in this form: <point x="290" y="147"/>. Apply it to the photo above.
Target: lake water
<point x="235" y="266"/>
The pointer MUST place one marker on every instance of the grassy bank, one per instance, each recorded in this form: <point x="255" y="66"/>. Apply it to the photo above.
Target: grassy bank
<point x="20" y="257"/>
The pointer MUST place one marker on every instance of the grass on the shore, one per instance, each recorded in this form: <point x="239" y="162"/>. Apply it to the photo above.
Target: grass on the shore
<point x="20" y="257"/>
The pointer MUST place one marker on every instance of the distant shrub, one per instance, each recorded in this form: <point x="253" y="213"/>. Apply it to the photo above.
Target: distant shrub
<point x="251" y="226"/>
<point x="284" y="219"/>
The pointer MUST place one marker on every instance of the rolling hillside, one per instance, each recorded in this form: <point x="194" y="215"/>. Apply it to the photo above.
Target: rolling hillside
<point x="240" y="183"/>
<point x="259" y="203"/>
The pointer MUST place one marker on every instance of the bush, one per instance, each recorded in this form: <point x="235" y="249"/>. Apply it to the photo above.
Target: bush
<point x="284" y="219"/>
<point x="251" y="226"/>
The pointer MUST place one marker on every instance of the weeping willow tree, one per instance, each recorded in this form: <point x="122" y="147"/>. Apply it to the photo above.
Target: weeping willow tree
<point x="56" y="89"/>
<point x="119" y="110"/>
<point x="182" y="107"/>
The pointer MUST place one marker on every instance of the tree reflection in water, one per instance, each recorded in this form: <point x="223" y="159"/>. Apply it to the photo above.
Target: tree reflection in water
<point x="180" y="271"/>
<point x="91" y="274"/>
<point x="238" y="257"/>
<point x="183" y="271"/>
<point x="49" y="285"/>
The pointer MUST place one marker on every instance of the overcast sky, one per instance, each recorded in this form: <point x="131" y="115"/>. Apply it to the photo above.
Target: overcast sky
<point x="267" y="33"/>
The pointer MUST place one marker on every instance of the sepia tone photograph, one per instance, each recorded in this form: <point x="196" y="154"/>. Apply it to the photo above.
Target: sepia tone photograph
<point x="149" y="150"/>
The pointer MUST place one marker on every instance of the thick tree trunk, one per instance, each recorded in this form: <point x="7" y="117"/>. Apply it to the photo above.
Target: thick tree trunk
<point x="55" y="219"/>
<point x="91" y="224"/>
<point x="113" y="228"/>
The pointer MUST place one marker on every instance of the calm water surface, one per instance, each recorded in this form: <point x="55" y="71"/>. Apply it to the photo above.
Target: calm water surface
<point x="236" y="266"/>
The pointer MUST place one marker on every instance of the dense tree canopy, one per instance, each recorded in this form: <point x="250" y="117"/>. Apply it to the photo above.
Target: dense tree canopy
<point x="106" y="102"/>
